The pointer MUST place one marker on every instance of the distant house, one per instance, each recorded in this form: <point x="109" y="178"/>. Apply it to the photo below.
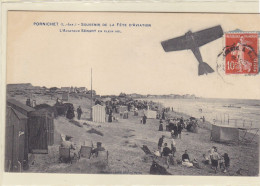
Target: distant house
<point x="65" y="89"/>
<point x="134" y="95"/>
<point x="81" y="89"/>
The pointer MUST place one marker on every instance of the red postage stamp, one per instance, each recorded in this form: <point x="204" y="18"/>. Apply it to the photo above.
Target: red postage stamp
<point x="241" y="53"/>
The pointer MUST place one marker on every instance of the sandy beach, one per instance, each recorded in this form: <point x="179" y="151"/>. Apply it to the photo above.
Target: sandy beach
<point x="123" y="140"/>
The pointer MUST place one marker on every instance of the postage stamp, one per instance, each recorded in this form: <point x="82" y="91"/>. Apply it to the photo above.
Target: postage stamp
<point x="241" y="53"/>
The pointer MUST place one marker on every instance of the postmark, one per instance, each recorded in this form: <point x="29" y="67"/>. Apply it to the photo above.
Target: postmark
<point x="241" y="53"/>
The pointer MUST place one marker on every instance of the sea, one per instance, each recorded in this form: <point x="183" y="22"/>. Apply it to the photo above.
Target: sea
<point x="233" y="112"/>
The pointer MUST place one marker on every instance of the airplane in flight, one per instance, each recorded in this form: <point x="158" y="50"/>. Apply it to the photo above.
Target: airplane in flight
<point x="193" y="41"/>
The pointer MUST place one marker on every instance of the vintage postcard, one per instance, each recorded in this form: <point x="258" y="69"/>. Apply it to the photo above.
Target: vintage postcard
<point x="115" y="93"/>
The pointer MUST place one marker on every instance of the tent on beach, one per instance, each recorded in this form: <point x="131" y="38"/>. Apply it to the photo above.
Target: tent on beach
<point x="220" y="133"/>
<point x="224" y="133"/>
<point x="99" y="114"/>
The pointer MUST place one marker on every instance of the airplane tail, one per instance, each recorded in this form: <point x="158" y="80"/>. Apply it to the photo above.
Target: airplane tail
<point x="204" y="68"/>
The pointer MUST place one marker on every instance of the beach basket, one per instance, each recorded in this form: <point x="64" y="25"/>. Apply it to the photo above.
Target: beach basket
<point x="64" y="155"/>
<point x="85" y="152"/>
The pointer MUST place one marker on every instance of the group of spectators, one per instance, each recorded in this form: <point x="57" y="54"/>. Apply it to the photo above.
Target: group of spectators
<point x="167" y="150"/>
<point x="212" y="157"/>
<point x="168" y="153"/>
<point x="129" y="103"/>
<point x="216" y="160"/>
<point x="175" y="126"/>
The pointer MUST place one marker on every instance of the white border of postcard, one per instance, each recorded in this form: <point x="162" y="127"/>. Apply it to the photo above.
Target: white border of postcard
<point x="143" y="6"/>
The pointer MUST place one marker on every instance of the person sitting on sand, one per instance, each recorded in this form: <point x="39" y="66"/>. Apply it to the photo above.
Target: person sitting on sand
<point x="214" y="159"/>
<point x="211" y="151"/>
<point x="186" y="159"/>
<point x="185" y="156"/>
<point x="160" y="143"/>
<point x="166" y="152"/>
<point x="69" y="144"/>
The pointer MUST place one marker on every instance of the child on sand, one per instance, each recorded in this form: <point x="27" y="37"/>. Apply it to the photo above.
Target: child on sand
<point x="214" y="159"/>
<point x="173" y="146"/>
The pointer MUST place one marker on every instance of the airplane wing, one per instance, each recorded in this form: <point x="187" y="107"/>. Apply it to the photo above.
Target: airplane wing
<point x="178" y="43"/>
<point x="205" y="36"/>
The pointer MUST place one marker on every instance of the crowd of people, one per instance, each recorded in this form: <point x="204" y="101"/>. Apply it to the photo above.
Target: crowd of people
<point x="176" y="125"/>
<point x="114" y="104"/>
<point x="123" y="106"/>
<point x="167" y="151"/>
<point x="167" y="148"/>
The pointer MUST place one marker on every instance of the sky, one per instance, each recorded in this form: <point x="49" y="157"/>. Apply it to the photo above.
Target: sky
<point x="132" y="61"/>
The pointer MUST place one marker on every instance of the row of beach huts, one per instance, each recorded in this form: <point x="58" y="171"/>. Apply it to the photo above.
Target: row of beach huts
<point x="26" y="131"/>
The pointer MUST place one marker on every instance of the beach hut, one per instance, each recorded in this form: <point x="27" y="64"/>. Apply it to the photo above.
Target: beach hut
<point x="40" y="131"/>
<point x="65" y="96"/>
<point x="150" y="114"/>
<point x="99" y="114"/>
<point x="16" y="144"/>
<point x="224" y="133"/>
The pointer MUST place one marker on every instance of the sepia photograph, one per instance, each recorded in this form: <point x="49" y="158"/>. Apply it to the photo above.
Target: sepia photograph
<point x="130" y="93"/>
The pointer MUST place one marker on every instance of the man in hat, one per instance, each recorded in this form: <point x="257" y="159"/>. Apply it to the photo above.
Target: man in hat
<point x="79" y="112"/>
